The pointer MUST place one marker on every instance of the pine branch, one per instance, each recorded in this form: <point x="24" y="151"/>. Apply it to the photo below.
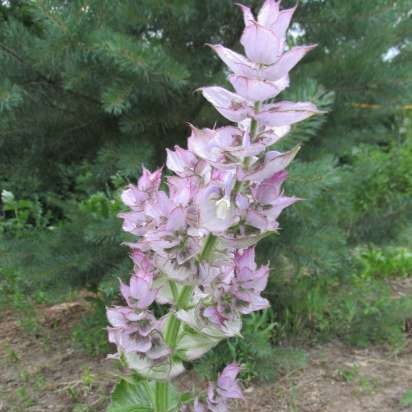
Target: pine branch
<point x="47" y="79"/>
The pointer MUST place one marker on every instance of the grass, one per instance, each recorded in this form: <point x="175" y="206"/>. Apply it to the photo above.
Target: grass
<point x="406" y="399"/>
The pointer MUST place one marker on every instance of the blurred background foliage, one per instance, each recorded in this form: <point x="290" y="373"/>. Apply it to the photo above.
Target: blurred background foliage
<point x="93" y="89"/>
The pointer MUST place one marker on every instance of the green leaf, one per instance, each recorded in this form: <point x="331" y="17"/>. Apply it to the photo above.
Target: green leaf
<point x="186" y="397"/>
<point x="132" y="394"/>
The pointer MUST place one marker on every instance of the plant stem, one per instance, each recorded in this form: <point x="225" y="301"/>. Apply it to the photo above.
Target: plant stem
<point x="161" y="396"/>
<point x="253" y="127"/>
<point x="253" y="124"/>
<point x="208" y="247"/>
<point x="184" y="297"/>
<point x="173" y="324"/>
<point x="172" y="330"/>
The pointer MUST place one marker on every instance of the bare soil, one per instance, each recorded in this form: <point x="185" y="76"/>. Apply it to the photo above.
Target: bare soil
<point x="339" y="379"/>
<point x="41" y="371"/>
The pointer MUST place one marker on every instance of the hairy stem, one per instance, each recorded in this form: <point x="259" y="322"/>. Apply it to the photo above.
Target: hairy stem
<point x="161" y="396"/>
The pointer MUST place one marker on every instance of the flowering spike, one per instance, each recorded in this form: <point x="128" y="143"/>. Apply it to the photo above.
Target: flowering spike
<point x="196" y="240"/>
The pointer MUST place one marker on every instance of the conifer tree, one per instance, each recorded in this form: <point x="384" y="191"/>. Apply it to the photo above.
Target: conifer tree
<point x="92" y="89"/>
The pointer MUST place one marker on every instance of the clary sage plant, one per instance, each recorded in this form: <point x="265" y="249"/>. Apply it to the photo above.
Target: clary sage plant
<point x="195" y="245"/>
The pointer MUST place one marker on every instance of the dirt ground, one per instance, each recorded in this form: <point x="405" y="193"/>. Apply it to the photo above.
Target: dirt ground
<point x="42" y="371"/>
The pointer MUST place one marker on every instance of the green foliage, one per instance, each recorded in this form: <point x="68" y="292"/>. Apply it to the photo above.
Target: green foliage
<point x="22" y="215"/>
<point x="380" y="199"/>
<point x="359" y="308"/>
<point x="385" y="263"/>
<point x="353" y="37"/>
<point x="254" y="351"/>
<point x="10" y="96"/>
<point x="79" y="250"/>
<point x="406" y="399"/>
<point x="135" y="395"/>
<point x="90" y="334"/>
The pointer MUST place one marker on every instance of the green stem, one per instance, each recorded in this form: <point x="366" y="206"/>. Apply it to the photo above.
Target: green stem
<point x="161" y="396"/>
<point x="208" y="247"/>
<point x="173" y="323"/>
<point x="172" y="330"/>
<point x="184" y="297"/>
<point x="253" y="128"/>
<point x="171" y="333"/>
<point x="170" y="336"/>
<point x="253" y="124"/>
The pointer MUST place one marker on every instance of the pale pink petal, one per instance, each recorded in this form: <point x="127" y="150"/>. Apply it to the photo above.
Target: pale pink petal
<point x="246" y="258"/>
<point x="282" y="23"/>
<point x="257" y="90"/>
<point x="213" y="315"/>
<point x="248" y="16"/>
<point x="132" y="222"/>
<point x="215" y="213"/>
<point x="261" y="45"/>
<point x="202" y="142"/>
<point x="176" y="220"/>
<point x="242" y="201"/>
<point x="115" y="317"/>
<point x="114" y="335"/>
<point x="261" y="278"/>
<point x="281" y="203"/>
<point x="257" y="220"/>
<point x="159" y="349"/>
<point x="180" y="161"/>
<point x="149" y="182"/>
<point x="141" y="295"/>
<point x="141" y="261"/>
<point x="269" y="13"/>
<point x="255" y="280"/>
<point x="198" y="406"/>
<point x="286" y="62"/>
<point x="236" y="62"/>
<point x="272" y="135"/>
<point x="133" y="342"/>
<point x="269" y="190"/>
<point x="285" y="113"/>
<point x="124" y="290"/>
<point x="225" y="136"/>
<point x="231" y="371"/>
<point x="227" y="387"/>
<point x="146" y="323"/>
<point x="228" y="104"/>
<point x="182" y="190"/>
<point x="256" y="303"/>
<point x="133" y="197"/>
<point x="274" y="162"/>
